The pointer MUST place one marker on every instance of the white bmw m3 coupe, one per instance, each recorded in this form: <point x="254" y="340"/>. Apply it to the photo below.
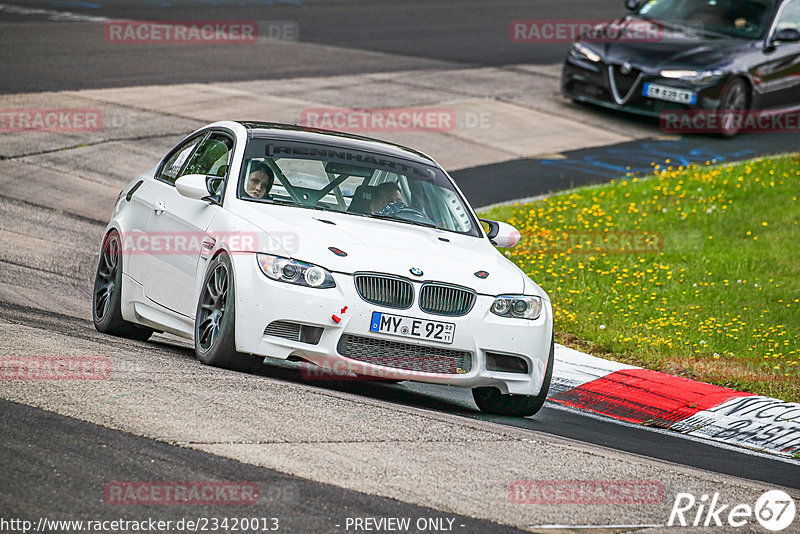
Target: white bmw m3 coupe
<point x="339" y="251"/>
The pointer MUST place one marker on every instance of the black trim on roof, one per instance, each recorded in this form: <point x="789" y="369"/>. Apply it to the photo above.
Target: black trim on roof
<point x="296" y="132"/>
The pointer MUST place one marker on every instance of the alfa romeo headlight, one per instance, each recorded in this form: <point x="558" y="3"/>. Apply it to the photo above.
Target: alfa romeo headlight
<point x="693" y="76"/>
<point x="584" y="52"/>
<point x="519" y="306"/>
<point x="294" y="272"/>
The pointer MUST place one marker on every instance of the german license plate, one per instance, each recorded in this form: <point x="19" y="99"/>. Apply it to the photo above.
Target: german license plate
<point x="670" y="94"/>
<point x="398" y="325"/>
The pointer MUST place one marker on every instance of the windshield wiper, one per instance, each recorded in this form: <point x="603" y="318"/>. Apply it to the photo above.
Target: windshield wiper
<point x="283" y="202"/>
<point x="670" y="24"/>
<point x="724" y="35"/>
<point x="280" y="201"/>
<point x="683" y="26"/>
<point x="392" y="218"/>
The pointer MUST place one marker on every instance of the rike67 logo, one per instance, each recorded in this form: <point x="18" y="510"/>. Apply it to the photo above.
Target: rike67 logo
<point x="774" y="510"/>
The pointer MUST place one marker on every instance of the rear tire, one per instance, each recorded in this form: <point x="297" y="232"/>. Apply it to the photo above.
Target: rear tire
<point x="215" y="319"/>
<point x="491" y="401"/>
<point x="107" y="294"/>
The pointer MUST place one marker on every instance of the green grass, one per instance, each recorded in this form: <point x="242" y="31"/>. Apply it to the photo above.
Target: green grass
<point x="710" y="288"/>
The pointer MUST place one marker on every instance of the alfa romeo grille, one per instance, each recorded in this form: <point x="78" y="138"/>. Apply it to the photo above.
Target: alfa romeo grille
<point x="404" y="355"/>
<point x="385" y="290"/>
<point x="442" y="299"/>
<point x="625" y="81"/>
<point x="623" y="86"/>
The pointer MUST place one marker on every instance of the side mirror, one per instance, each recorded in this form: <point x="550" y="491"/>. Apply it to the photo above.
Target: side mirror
<point x="787" y="35"/>
<point x="502" y="234"/>
<point x="195" y="186"/>
<point x="632" y="5"/>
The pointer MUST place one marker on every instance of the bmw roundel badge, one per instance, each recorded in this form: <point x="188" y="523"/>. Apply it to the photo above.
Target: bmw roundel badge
<point x="415" y="271"/>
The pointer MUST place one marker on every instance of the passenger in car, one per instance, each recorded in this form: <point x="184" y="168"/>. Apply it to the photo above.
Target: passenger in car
<point x="385" y="194"/>
<point x="259" y="181"/>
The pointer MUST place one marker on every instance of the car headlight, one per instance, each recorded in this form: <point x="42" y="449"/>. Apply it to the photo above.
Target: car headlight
<point x="693" y="76"/>
<point x="519" y="306"/>
<point x="294" y="272"/>
<point x="584" y="52"/>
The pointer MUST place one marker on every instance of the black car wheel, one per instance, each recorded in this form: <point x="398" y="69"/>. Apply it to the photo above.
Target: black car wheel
<point x="733" y="104"/>
<point x="490" y="400"/>
<point x="107" y="294"/>
<point x="214" y="326"/>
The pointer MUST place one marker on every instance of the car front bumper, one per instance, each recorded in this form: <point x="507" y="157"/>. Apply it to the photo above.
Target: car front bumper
<point x="260" y="302"/>
<point x="590" y="82"/>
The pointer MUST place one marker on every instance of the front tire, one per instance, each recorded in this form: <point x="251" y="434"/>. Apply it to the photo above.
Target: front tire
<point x="491" y="401"/>
<point x="107" y="294"/>
<point x="733" y="105"/>
<point x="215" y="319"/>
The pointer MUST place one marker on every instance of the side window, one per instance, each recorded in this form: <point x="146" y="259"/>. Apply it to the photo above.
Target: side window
<point x="171" y="168"/>
<point x="790" y="16"/>
<point x="211" y="157"/>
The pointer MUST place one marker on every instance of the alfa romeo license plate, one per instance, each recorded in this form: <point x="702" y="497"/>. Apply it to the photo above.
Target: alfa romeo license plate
<point x="399" y="325"/>
<point x="670" y="94"/>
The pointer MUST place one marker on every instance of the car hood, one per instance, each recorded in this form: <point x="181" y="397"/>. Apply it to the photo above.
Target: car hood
<point x="387" y="247"/>
<point x="672" y="47"/>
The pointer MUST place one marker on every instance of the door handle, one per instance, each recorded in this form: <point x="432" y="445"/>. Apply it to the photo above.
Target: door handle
<point x="159" y="207"/>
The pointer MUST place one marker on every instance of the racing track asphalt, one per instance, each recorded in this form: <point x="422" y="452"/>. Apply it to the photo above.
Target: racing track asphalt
<point x="57" y="466"/>
<point x="72" y="461"/>
<point x="552" y="419"/>
<point x="44" y="55"/>
<point x="61" y="474"/>
<point x="47" y="53"/>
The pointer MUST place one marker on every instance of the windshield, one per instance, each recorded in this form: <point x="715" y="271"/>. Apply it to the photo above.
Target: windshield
<point x="748" y="19"/>
<point x="357" y="183"/>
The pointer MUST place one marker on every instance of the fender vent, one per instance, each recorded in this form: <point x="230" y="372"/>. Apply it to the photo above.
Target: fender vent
<point x="294" y="331"/>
